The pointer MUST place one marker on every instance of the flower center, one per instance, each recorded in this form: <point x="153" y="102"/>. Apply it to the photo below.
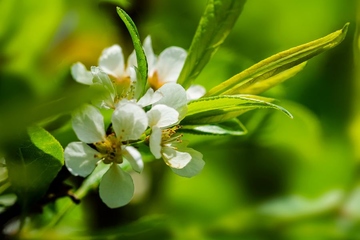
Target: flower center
<point x="154" y="81"/>
<point x="169" y="135"/>
<point x="122" y="85"/>
<point x="110" y="149"/>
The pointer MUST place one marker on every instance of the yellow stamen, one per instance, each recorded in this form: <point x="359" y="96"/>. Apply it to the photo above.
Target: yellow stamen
<point x="110" y="149"/>
<point x="122" y="85"/>
<point x="154" y="81"/>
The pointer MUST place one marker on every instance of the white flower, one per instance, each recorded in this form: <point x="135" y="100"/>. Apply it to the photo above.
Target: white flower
<point x="163" y="141"/>
<point x="129" y="123"/>
<point x="167" y="67"/>
<point x="81" y="74"/>
<point x="101" y="80"/>
<point x="182" y="160"/>
<point x="170" y="151"/>
<point x="171" y="94"/>
<point x="149" y="98"/>
<point x="112" y="62"/>
<point x="194" y="92"/>
<point x="174" y="96"/>
<point x="160" y="116"/>
<point x="166" y="112"/>
<point x="111" y="74"/>
<point x="196" y="163"/>
<point x="119" y="79"/>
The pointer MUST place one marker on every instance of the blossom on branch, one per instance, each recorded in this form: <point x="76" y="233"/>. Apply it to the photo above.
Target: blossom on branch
<point x="129" y="123"/>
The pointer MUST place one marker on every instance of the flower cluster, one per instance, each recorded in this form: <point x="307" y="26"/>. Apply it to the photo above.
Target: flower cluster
<point x="152" y="119"/>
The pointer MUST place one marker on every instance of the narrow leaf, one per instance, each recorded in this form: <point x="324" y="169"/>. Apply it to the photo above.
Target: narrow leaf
<point x="215" y="25"/>
<point x="142" y="67"/>
<point x="229" y="127"/>
<point x="277" y="64"/>
<point x="33" y="163"/>
<point x="221" y="108"/>
<point x="261" y="84"/>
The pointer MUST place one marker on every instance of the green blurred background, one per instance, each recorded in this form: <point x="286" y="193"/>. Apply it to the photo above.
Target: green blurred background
<point x="287" y="179"/>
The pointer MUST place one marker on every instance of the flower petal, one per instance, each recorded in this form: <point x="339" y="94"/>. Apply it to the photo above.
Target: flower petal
<point x="88" y="124"/>
<point x="193" y="167"/>
<point x="112" y="61"/>
<point x="80" y="159"/>
<point x="103" y="99"/>
<point x="150" y="56"/>
<point x="162" y="116"/>
<point x="133" y="156"/>
<point x="195" y="91"/>
<point x="174" y="96"/>
<point x="116" y="187"/>
<point x="81" y="74"/>
<point x="131" y="62"/>
<point x="170" y="63"/>
<point x="155" y="142"/>
<point x="149" y="98"/>
<point x="175" y="159"/>
<point x="101" y="79"/>
<point x="129" y="121"/>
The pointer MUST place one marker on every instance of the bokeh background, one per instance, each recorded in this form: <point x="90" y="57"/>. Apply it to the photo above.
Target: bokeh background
<point x="286" y="179"/>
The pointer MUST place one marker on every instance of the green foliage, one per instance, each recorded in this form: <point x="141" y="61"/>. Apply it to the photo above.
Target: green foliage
<point x="228" y="127"/>
<point x="33" y="163"/>
<point x="265" y="74"/>
<point x="215" y="25"/>
<point x="142" y="68"/>
<point x="221" y="108"/>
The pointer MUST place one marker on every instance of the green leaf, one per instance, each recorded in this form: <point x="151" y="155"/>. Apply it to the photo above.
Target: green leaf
<point x="33" y="163"/>
<point x="281" y="66"/>
<point x="221" y="108"/>
<point x="229" y="127"/>
<point x="142" y="67"/>
<point x="261" y="84"/>
<point x="215" y="25"/>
